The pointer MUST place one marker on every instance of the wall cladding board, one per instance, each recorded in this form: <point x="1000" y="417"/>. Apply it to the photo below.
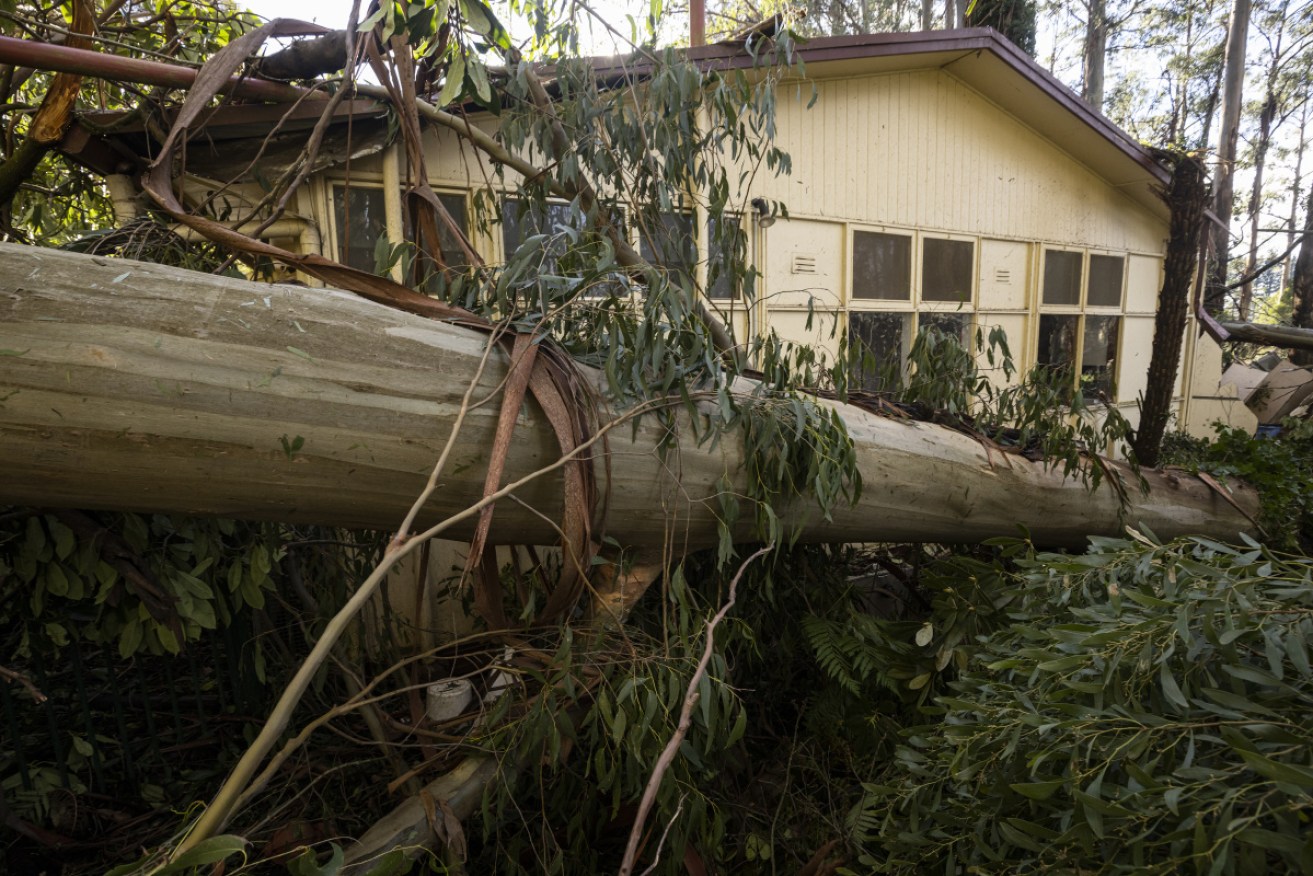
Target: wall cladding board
<point x="1004" y="274"/>
<point x="804" y="263"/>
<point x="1136" y="348"/>
<point x="1143" y="282"/>
<point x="923" y="149"/>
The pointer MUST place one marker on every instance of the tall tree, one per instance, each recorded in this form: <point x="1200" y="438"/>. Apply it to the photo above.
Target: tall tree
<point x="1233" y="83"/>
<point x="1301" y="283"/>
<point x="1096" y="53"/>
<point x="1286" y="53"/>
<point x="1014" y="19"/>
<point x="1296" y="188"/>
<point x="1186" y="197"/>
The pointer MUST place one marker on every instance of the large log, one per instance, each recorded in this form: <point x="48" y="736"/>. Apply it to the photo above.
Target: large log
<point x="135" y="386"/>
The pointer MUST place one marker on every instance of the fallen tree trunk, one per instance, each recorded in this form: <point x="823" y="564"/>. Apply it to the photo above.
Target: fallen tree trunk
<point x="1284" y="336"/>
<point x="135" y="386"/>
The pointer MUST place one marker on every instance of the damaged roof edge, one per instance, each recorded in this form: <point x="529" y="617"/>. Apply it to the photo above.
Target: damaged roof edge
<point x="954" y="44"/>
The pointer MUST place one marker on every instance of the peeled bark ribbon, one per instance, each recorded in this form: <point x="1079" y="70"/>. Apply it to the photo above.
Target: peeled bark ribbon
<point x="53" y="116"/>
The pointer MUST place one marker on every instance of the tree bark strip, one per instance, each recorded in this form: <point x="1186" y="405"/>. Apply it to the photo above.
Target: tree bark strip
<point x="135" y="386"/>
<point x="52" y="116"/>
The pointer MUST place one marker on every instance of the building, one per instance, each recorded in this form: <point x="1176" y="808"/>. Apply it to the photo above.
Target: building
<point x="939" y="178"/>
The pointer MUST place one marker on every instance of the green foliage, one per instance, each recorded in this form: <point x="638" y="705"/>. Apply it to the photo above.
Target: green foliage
<point x="583" y="766"/>
<point x="1145" y="710"/>
<point x="1279" y="467"/>
<point x="1044" y="415"/>
<point x="1014" y="19"/>
<point x="186" y="575"/>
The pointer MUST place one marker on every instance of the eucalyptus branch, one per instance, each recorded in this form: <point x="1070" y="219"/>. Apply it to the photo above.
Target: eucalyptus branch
<point x="234" y="789"/>
<point x="685" y="721"/>
<point x="625" y="254"/>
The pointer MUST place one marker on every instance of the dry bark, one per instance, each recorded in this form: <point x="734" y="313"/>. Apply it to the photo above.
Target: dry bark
<point x="52" y="117"/>
<point x="1186" y="197"/>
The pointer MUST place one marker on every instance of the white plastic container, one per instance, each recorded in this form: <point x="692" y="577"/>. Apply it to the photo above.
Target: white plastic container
<point x="448" y="699"/>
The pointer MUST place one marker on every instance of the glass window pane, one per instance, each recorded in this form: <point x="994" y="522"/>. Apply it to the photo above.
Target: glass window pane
<point x="523" y="219"/>
<point x="361" y="219"/>
<point x="1098" y="358"/>
<point x="946" y="269"/>
<point x="671" y="246"/>
<point x="957" y="325"/>
<point x="727" y="245"/>
<point x="1105" y="281"/>
<point x="453" y="255"/>
<point x="879" y="344"/>
<point x="1061" y="277"/>
<point x="1057" y="340"/>
<point x="882" y="266"/>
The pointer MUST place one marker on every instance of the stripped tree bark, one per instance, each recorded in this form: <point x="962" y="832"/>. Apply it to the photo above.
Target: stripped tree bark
<point x="52" y="117"/>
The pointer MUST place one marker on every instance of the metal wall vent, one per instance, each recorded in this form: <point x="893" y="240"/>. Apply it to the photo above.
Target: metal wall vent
<point x="804" y="264"/>
<point x="1002" y="276"/>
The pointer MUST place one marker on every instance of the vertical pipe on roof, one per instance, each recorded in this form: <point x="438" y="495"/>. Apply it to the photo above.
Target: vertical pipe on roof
<point x="697" y="23"/>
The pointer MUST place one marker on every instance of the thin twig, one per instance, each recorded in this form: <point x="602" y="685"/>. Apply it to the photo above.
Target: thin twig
<point x="685" y="721"/>
<point x="9" y="675"/>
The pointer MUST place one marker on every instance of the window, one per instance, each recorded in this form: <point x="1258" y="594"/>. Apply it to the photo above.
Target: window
<point x="1061" y="277"/>
<point x="453" y="256"/>
<point x="882" y="266"/>
<point x="1105" y="289"/>
<point x="1057" y="341"/>
<point x="957" y="325"/>
<point x="1083" y="342"/>
<point x="360" y="218"/>
<point x="939" y="295"/>
<point x="947" y="267"/>
<point x="523" y="219"/>
<point x="879" y="344"/>
<point x="1098" y="357"/>
<point x="670" y="246"/>
<point x="727" y="244"/>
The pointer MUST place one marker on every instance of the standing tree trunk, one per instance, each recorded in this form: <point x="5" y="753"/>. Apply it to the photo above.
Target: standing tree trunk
<point x="1186" y="196"/>
<point x="1256" y="196"/>
<point x="1301" y="285"/>
<point x="1096" y="51"/>
<point x="1233" y="83"/>
<point x="927" y="14"/>
<point x="1295" y="187"/>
